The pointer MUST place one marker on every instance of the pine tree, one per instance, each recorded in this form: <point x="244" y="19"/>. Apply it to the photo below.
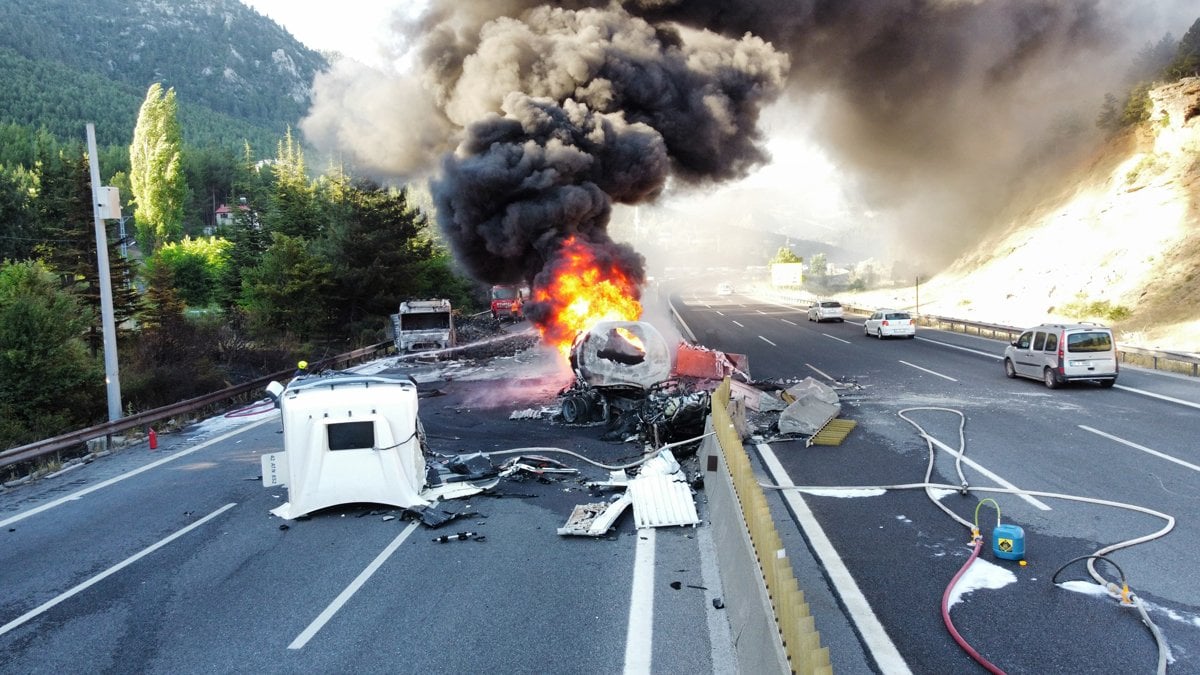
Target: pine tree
<point x="64" y="212"/>
<point x="156" y="172"/>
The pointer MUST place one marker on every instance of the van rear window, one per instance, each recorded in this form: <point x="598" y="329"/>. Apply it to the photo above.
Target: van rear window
<point x="1097" y="341"/>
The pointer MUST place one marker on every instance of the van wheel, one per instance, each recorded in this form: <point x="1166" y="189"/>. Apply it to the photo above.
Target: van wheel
<point x="1009" y="370"/>
<point x="1050" y="378"/>
<point x="1107" y="384"/>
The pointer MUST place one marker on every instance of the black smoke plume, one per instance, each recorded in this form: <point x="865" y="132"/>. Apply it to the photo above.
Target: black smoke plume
<point x="936" y="108"/>
<point x="565" y="112"/>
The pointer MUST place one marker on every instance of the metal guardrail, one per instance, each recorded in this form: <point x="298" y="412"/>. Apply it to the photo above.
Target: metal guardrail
<point x="1187" y="364"/>
<point x="49" y="446"/>
<point x="1175" y="362"/>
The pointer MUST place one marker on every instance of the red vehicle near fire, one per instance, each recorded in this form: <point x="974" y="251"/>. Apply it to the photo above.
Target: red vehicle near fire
<point x="508" y="302"/>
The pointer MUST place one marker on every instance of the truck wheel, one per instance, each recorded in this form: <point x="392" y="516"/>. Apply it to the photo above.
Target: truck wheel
<point x="574" y="409"/>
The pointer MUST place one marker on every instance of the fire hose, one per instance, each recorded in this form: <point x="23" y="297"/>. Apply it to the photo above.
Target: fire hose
<point x="1127" y="597"/>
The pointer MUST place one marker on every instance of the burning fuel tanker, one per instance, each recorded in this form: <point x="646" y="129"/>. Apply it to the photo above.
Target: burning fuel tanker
<point x="621" y="354"/>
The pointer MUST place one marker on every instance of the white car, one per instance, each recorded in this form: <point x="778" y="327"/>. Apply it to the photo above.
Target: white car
<point x="826" y="310"/>
<point x="725" y="288"/>
<point x="890" y="323"/>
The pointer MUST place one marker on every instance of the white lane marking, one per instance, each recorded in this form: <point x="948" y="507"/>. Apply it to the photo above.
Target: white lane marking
<point x="761" y="312"/>
<point x="767" y="341"/>
<point x="818" y="371"/>
<point x="1143" y="448"/>
<point x="111" y="571"/>
<point x="324" y="617"/>
<point x="793" y="323"/>
<point x="1034" y="501"/>
<point x="1158" y="396"/>
<point x="639" y="636"/>
<point x="882" y="649"/>
<point x="99" y="486"/>
<point x="910" y="365"/>
<point x="738" y="324"/>
<point x="719" y="312"/>
<point x="835" y="338"/>
<point x="965" y="349"/>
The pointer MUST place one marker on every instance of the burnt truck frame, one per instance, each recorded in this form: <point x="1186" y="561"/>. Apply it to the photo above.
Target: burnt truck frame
<point x="424" y="325"/>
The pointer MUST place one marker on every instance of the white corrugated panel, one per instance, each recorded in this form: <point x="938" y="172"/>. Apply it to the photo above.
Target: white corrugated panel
<point x="660" y="500"/>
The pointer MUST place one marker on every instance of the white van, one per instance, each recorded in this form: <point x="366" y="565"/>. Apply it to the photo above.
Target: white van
<point x="1060" y="353"/>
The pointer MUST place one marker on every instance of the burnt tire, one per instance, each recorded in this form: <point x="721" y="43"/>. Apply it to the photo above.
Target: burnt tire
<point x="1009" y="369"/>
<point x="574" y="410"/>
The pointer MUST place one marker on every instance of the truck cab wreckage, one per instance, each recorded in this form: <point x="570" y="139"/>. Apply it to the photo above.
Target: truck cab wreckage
<point x="353" y="438"/>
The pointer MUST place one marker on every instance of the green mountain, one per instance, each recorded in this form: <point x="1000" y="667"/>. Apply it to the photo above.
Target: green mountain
<point x="237" y="74"/>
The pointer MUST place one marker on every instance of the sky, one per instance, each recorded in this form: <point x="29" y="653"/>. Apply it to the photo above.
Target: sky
<point x="356" y="28"/>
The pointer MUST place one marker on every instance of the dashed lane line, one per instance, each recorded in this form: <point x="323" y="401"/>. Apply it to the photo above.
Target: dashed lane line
<point x="111" y="571"/>
<point x="103" y="484"/>
<point x="819" y="372"/>
<point x="1143" y="448"/>
<point x="931" y="372"/>
<point x="767" y="341"/>
<point x="343" y="597"/>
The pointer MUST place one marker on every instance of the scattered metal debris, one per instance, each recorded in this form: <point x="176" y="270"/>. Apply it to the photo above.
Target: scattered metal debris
<point x="595" y="520"/>
<point x="460" y="536"/>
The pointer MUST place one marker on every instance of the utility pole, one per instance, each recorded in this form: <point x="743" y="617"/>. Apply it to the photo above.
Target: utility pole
<point x="112" y="379"/>
<point x="918" y="295"/>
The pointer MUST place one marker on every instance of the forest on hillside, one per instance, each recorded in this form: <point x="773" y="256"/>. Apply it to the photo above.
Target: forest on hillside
<point x="310" y="264"/>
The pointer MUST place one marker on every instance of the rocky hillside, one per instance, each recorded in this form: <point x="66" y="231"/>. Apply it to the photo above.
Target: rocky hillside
<point x="72" y="60"/>
<point x="1119" y="244"/>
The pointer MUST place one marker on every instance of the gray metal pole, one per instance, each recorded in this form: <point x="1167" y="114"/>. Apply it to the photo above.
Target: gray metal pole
<point x="112" y="379"/>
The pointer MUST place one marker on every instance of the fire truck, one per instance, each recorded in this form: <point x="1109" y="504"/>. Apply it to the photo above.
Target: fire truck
<point x="507" y="302"/>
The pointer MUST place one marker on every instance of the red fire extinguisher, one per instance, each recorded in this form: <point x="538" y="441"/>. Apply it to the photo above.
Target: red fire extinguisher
<point x="153" y="439"/>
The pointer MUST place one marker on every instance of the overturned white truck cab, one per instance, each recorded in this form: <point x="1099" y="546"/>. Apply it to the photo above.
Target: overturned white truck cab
<point x="347" y="438"/>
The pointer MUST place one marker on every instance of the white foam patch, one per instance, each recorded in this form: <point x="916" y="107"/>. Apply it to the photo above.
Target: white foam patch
<point x="940" y="494"/>
<point x="1085" y="587"/>
<point x="844" y="493"/>
<point x="252" y="413"/>
<point x="1189" y="619"/>
<point x="904" y="519"/>
<point x="981" y="574"/>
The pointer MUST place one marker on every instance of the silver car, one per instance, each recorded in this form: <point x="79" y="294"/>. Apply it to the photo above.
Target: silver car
<point x="826" y="310"/>
<point x="1061" y="353"/>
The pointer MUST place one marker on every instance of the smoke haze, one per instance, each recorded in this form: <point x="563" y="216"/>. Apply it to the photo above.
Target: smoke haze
<point x="536" y="119"/>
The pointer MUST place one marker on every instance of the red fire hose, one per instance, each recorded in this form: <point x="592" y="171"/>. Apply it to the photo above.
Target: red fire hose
<point x="950" y="624"/>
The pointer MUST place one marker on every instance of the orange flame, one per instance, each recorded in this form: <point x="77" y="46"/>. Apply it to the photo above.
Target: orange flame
<point x="632" y="339"/>
<point x="581" y="292"/>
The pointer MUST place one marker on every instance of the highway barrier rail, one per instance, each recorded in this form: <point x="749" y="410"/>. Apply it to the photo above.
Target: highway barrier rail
<point x="774" y="630"/>
<point x="43" y="448"/>
<point x="1167" y="361"/>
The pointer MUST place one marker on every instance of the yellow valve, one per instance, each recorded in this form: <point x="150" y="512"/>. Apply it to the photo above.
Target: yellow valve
<point x="1126" y="598"/>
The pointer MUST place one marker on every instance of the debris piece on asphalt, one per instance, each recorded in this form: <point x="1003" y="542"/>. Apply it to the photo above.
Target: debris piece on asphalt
<point x="595" y="520"/>
<point x="460" y="536"/>
<point x="718" y="603"/>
